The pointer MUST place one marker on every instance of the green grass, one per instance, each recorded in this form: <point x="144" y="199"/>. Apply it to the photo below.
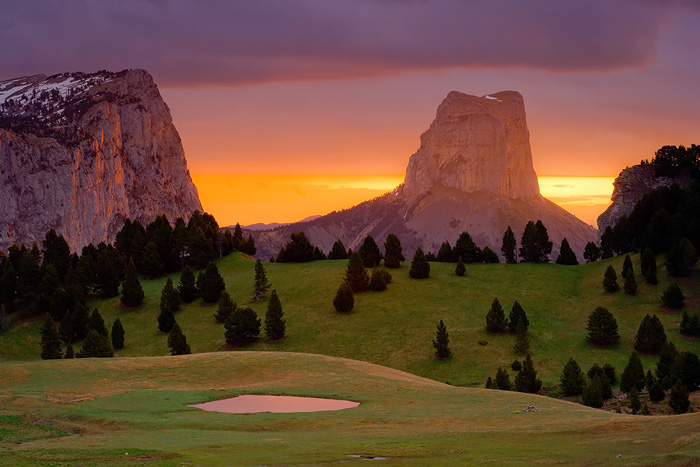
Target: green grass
<point x="124" y="411"/>
<point x="395" y="328"/>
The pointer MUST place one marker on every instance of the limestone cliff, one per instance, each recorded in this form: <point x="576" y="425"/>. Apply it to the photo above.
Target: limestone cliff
<point x="473" y="171"/>
<point x="79" y="153"/>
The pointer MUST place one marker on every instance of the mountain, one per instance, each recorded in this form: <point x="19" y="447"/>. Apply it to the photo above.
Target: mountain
<point x="80" y="153"/>
<point x="473" y="171"/>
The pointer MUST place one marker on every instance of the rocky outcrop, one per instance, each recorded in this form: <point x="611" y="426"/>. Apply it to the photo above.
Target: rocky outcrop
<point x="630" y="186"/>
<point x="473" y="172"/>
<point x="80" y="153"/>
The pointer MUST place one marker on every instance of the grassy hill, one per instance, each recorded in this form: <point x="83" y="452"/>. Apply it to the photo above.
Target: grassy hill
<point x="395" y="328"/>
<point x="128" y="411"/>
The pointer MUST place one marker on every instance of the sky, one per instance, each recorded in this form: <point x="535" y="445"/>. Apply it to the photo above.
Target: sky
<point x="292" y="108"/>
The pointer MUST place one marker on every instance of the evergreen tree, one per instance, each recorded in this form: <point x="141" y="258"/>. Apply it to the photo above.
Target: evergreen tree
<point x="151" y="263"/>
<point x="132" y="293"/>
<point x="166" y="319"/>
<point x="571" y="380"/>
<point x="95" y="345"/>
<point x="275" y="326"/>
<point x="650" y="335"/>
<point x="238" y="241"/>
<point x="369" y="252"/>
<point x="97" y="323"/>
<point x="261" y="284"/>
<point x="489" y="256"/>
<point x="490" y="384"/>
<point x="566" y="254"/>
<point x="607" y="378"/>
<point x="460" y="269"/>
<point x="117" y="335"/>
<point x="664" y="366"/>
<point x="686" y="367"/>
<point x="8" y="286"/>
<point x="70" y="353"/>
<point x="690" y="325"/>
<point x="610" y="280"/>
<point x="444" y="254"/>
<point x="649" y="380"/>
<point x="495" y="318"/>
<point x="212" y="284"/>
<point x="169" y="297"/>
<point x="356" y="275"/>
<point x="526" y="380"/>
<point x="516" y="365"/>
<point x="50" y="340"/>
<point x="177" y="342"/>
<point x="338" y="251"/>
<point x="522" y="341"/>
<point x="297" y="250"/>
<point x="250" y="247"/>
<point x="681" y="259"/>
<point x="393" y="252"/>
<point x="187" y="286"/>
<point x="466" y="249"/>
<point x="517" y="314"/>
<point x="678" y="399"/>
<point x="344" y="300"/>
<point x="649" y="266"/>
<point x="633" y="374"/>
<point x="420" y="268"/>
<point x="606" y="243"/>
<point x="630" y="283"/>
<point x="242" y="326"/>
<point x="377" y="281"/>
<point x="67" y="328"/>
<point x="442" y="350"/>
<point x="503" y="380"/>
<point x="656" y="392"/>
<point x="635" y="405"/>
<point x="81" y="321"/>
<point x="593" y="393"/>
<point x="226" y="307"/>
<point x="318" y="254"/>
<point x="591" y="252"/>
<point x="108" y="270"/>
<point x="508" y="246"/>
<point x="673" y="296"/>
<point x="627" y="266"/>
<point x="56" y="252"/>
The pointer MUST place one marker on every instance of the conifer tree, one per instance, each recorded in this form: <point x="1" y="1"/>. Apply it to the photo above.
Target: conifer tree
<point x="593" y="393"/>
<point x="526" y="379"/>
<point x="444" y="254"/>
<point x="442" y="349"/>
<point x="690" y="325"/>
<point x="664" y="366"/>
<point x="261" y="284"/>
<point x="50" y="340"/>
<point x="627" y="266"/>
<point x="344" y="300"/>
<point x="67" y="327"/>
<point x="678" y="400"/>
<point x="650" y="335"/>
<point x="635" y="405"/>
<point x="489" y="256"/>
<point x="393" y="252"/>
<point x="70" y="353"/>
<point x="681" y="259"/>
<point x="356" y="275"/>
<point x="95" y="345"/>
<point x="377" y="281"/>
<point x="212" y="284"/>
<point x="517" y="314"/>
<point x="633" y="374"/>
<point x="132" y="293"/>
<point x="496" y="318"/>
<point x="566" y="254"/>
<point x="630" y="285"/>
<point x="649" y="380"/>
<point x="420" y="268"/>
<point x="490" y="384"/>
<point x="97" y="323"/>
<point x="242" y="326"/>
<point x="169" y="297"/>
<point x="166" y="319"/>
<point x="151" y="263"/>
<point x="522" y="341"/>
<point x="673" y="296"/>
<point x="591" y="252"/>
<point x="187" y="286"/>
<point x="602" y="327"/>
<point x="117" y="335"/>
<point x="338" y="251"/>
<point x="466" y="249"/>
<point x="649" y="266"/>
<point x="460" y="269"/>
<point x="369" y="252"/>
<point x="177" y="342"/>
<point x="610" y="280"/>
<point x="81" y="321"/>
<point x="238" y="241"/>
<point x="226" y="307"/>
<point x="571" y="380"/>
<point x="503" y="380"/>
<point x="508" y="246"/>
<point x="275" y="327"/>
<point x="656" y="392"/>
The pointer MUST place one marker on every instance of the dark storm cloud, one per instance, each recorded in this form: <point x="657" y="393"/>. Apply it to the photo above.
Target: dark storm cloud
<point x="193" y="43"/>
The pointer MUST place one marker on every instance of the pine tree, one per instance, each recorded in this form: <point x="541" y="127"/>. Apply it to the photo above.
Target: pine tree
<point x="238" y="241"/>
<point x="67" y="327"/>
<point x="673" y="296"/>
<point x="664" y="366"/>
<point x="132" y="293"/>
<point x="649" y="266"/>
<point x="261" y="284"/>
<point x="338" y="251"/>
<point x="460" y="269"/>
<point x="526" y="380"/>
<point x="633" y="374"/>
<point x="393" y="252"/>
<point x="420" y="268"/>
<point x="593" y="393"/>
<point x="630" y="283"/>
<point x="50" y="340"/>
<point x="571" y="380"/>
<point x="377" y="281"/>
<point x="681" y="259"/>
<point x="117" y="335"/>
<point x="489" y="256"/>
<point x="591" y="252"/>
<point x="212" y="284"/>
<point x="226" y="307"/>
<point x="690" y="325"/>
<point x="444" y="254"/>
<point x="70" y="353"/>
<point x="242" y="326"/>
<point x="566" y="254"/>
<point x="650" y="335"/>
<point x="95" y="345"/>
<point x="496" y="318"/>
<point x="635" y="405"/>
<point x="356" y="275"/>
<point x="522" y="341"/>
<point x="166" y="319"/>
<point x="275" y="326"/>
<point x="151" y="263"/>
<point x="97" y="323"/>
<point x="81" y="321"/>
<point x="466" y="249"/>
<point x="508" y="246"/>
<point x="503" y="380"/>
<point x="610" y="280"/>
<point x="318" y="254"/>
<point x="490" y="384"/>
<point x="442" y="350"/>
<point x="517" y="314"/>
<point x="678" y="399"/>
<point x="369" y="252"/>
<point x="607" y="378"/>
<point x="187" y="286"/>
<point x="656" y="392"/>
<point x="602" y="327"/>
<point x="344" y="300"/>
<point x="627" y="266"/>
<point x="177" y="342"/>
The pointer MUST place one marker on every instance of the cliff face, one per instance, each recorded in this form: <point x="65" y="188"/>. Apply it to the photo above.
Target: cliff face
<point x="473" y="172"/>
<point x="80" y="153"/>
<point x="630" y="186"/>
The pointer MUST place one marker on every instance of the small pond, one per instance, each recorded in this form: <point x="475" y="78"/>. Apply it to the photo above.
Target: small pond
<point x="274" y="404"/>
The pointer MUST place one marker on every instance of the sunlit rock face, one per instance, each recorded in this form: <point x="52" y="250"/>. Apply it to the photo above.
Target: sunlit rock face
<point x="79" y="153"/>
<point x="473" y="172"/>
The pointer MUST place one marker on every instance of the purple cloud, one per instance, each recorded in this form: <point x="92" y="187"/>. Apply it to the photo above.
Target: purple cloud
<point x="189" y="43"/>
